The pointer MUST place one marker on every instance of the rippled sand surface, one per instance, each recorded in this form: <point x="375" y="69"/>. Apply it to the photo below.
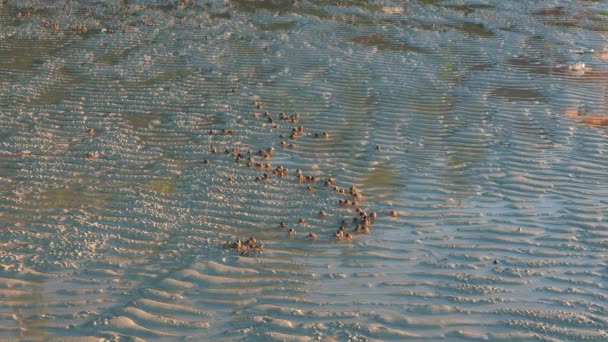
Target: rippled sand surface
<point x="483" y="125"/>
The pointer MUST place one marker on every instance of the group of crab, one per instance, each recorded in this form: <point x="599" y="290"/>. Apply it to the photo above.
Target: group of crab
<point x="362" y="220"/>
<point x="246" y="248"/>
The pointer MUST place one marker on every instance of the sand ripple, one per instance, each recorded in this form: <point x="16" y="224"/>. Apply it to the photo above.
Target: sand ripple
<point x="483" y="126"/>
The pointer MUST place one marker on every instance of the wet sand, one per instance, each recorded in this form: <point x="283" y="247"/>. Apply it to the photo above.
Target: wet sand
<point x="448" y="181"/>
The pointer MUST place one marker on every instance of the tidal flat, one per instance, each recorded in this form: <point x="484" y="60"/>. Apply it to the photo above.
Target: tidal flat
<point x="280" y="170"/>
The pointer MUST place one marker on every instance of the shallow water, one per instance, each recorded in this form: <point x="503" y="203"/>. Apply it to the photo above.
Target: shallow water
<point x="492" y="150"/>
